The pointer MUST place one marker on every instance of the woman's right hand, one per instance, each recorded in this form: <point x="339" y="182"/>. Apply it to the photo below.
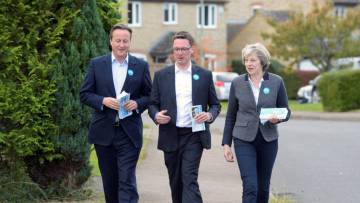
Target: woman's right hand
<point x="228" y="154"/>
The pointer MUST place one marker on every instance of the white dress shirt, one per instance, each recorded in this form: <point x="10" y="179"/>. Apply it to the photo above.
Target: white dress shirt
<point x="256" y="90"/>
<point x="119" y="71"/>
<point x="183" y="89"/>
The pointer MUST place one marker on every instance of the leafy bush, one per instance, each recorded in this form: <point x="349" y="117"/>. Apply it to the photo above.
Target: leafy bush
<point x="292" y="82"/>
<point x="237" y="66"/>
<point x="15" y="184"/>
<point x="45" y="49"/>
<point x="29" y="38"/>
<point x="84" y="38"/>
<point x="30" y="34"/>
<point x="339" y="91"/>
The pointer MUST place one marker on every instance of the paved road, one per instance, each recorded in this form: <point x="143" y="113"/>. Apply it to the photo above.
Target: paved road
<point x="219" y="181"/>
<point x="319" y="161"/>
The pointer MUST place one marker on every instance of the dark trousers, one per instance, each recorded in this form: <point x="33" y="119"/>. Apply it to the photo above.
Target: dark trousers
<point x="183" y="167"/>
<point x="117" y="164"/>
<point x="256" y="160"/>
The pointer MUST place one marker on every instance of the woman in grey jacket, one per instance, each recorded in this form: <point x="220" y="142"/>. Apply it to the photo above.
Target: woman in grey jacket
<point x="255" y="140"/>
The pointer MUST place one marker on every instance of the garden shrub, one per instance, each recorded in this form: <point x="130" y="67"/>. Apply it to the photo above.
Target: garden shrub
<point x="339" y="90"/>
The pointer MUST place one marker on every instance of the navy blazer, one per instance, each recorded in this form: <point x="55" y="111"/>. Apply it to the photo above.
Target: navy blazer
<point x="242" y="118"/>
<point x="99" y="83"/>
<point x="163" y="96"/>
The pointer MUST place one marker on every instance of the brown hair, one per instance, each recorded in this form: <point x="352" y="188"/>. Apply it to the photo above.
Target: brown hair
<point x="120" y="26"/>
<point x="184" y="35"/>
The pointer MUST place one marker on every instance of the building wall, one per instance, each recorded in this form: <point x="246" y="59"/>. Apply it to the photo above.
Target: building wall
<point x="256" y="24"/>
<point x="242" y="10"/>
<point x="152" y="28"/>
<point x="251" y="33"/>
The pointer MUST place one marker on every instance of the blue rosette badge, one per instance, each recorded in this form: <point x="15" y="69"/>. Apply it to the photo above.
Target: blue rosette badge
<point x="130" y="72"/>
<point x="196" y="77"/>
<point x="266" y="90"/>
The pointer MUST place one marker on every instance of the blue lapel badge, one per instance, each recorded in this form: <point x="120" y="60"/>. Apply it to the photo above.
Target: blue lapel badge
<point x="266" y="90"/>
<point x="196" y="77"/>
<point x="130" y="72"/>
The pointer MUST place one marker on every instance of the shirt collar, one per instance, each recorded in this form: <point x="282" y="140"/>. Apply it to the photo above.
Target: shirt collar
<point x="252" y="84"/>
<point x="177" y="69"/>
<point x="265" y="76"/>
<point x="113" y="59"/>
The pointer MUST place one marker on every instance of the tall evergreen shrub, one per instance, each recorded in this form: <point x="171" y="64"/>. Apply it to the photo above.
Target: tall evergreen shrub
<point x="45" y="49"/>
<point x="30" y="32"/>
<point x="83" y="39"/>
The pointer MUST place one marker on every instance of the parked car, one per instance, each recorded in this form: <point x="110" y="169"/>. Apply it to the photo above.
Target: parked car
<point x="309" y="93"/>
<point x="222" y="82"/>
<point x="347" y="63"/>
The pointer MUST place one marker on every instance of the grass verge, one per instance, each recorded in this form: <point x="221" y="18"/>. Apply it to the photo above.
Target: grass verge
<point x="312" y="107"/>
<point x="94" y="161"/>
<point x="282" y="199"/>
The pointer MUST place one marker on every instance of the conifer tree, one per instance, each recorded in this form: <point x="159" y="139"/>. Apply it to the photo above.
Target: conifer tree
<point x="84" y="39"/>
<point x="30" y="32"/>
<point x="45" y="49"/>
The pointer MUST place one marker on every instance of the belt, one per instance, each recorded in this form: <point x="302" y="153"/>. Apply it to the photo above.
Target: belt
<point x="185" y="129"/>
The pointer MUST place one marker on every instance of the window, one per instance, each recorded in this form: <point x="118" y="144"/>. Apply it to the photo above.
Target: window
<point x="340" y="11"/>
<point x="210" y="61"/>
<point x="134" y="13"/>
<point x="170" y="13"/>
<point x="256" y="8"/>
<point x="207" y="16"/>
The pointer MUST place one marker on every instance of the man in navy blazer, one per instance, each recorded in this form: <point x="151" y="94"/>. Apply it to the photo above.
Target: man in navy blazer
<point x="117" y="141"/>
<point x="175" y="90"/>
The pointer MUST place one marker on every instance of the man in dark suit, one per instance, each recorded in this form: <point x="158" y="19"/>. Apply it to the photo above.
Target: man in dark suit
<point x="117" y="141"/>
<point x="175" y="90"/>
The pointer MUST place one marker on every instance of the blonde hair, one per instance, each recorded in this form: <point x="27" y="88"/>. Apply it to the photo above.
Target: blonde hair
<point x="261" y="52"/>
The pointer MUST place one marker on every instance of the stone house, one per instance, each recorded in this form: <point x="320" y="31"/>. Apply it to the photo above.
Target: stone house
<point x="155" y="21"/>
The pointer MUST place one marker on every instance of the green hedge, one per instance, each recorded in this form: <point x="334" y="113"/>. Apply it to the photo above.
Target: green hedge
<point x="292" y="82"/>
<point x="339" y="91"/>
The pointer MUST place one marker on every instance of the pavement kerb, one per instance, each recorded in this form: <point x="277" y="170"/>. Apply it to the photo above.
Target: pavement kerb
<point x="332" y="116"/>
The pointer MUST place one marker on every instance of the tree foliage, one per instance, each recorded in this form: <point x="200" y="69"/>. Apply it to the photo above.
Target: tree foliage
<point x="110" y="12"/>
<point x="29" y="36"/>
<point x="45" y="48"/>
<point x="319" y="36"/>
<point x="83" y="39"/>
<point x="30" y="33"/>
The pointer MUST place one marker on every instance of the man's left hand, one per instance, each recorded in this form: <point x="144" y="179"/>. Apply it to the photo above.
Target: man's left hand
<point x="131" y="105"/>
<point x="202" y="117"/>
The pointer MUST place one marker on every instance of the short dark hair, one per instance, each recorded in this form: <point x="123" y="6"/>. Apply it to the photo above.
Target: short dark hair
<point x="120" y="26"/>
<point x="184" y="35"/>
